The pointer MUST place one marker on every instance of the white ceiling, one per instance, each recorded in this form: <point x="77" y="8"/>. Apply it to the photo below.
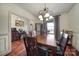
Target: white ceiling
<point x="57" y="8"/>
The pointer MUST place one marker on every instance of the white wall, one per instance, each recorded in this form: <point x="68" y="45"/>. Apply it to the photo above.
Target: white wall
<point x="5" y="10"/>
<point x="64" y="22"/>
<point x="74" y="24"/>
<point x="73" y="18"/>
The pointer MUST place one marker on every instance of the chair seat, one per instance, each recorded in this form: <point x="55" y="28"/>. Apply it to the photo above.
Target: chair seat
<point x="43" y="51"/>
<point x="42" y="47"/>
<point x="59" y="52"/>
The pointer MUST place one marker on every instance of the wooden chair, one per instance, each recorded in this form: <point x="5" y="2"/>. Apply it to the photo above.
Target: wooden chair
<point x="60" y="39"/>
<point x="14" y="34"/>
<point x="62" y="47"/>
<point x="32" y="48"/>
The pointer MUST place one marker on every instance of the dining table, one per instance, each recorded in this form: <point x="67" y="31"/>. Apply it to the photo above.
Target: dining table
<point x="47" y="40"/>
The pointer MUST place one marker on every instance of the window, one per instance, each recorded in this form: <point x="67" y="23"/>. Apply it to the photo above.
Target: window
<point x="50" y="27"/>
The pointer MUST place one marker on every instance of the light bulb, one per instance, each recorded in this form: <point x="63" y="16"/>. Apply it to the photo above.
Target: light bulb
<point x="51" y="17"/>
<point x="40" y="16"/>
<point x="41" y="19"/>
<point x="47" y="15"/>
<point x="61" y="32"/>
<point x="47" y="19"/>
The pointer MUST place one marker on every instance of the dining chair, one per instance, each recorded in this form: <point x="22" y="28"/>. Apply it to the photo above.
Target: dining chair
<point x="61" y="37"/>
<point x="30" y="45"/>
<point x="33" y="49"/>
<point x="62" y="47"/>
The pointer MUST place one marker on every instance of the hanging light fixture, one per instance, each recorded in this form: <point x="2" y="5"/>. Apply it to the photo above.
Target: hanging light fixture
<point x="45" y="14"/>
<point x="40" y="16"/>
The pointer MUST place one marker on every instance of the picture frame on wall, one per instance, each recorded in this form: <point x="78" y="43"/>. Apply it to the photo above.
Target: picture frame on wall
<point x="19" y="23"/>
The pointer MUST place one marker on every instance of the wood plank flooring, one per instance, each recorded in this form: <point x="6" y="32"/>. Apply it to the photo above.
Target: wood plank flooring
<point x="70" y="51"/>
<point x="18" y="49"/>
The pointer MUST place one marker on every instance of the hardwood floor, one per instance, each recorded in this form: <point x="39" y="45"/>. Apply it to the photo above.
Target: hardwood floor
<point x="70" y="51"/>
<point x="18" y="48"/>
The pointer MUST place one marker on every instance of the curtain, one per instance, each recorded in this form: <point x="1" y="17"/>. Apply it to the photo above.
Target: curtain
<point x="57" y="27"/>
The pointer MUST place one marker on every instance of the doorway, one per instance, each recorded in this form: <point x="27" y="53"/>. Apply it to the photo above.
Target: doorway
<point x="16" y="45"/>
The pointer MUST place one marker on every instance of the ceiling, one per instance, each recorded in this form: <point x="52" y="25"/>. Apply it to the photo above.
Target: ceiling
<point x="57" y="8"/>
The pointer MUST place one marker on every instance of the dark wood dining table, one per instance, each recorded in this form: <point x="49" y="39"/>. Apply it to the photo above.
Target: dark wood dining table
<point x="47" y="40"/>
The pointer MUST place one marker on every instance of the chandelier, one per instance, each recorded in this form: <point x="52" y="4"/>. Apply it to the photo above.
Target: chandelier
<point x="45" y="14"/>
